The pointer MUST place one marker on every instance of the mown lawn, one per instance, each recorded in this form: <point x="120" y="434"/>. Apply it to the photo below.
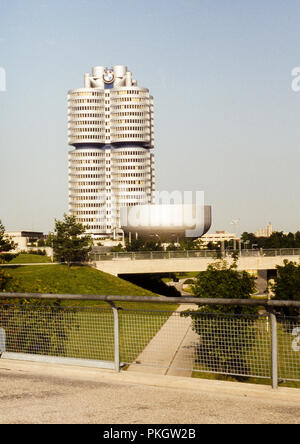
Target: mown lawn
<point x="24" y="258"/>
<point x="70" y="280"/>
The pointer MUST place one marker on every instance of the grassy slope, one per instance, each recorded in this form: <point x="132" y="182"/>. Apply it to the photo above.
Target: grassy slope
<point x="76" y="280"/>
<point x="73" y="280"/>
<point x="30" y="259"/>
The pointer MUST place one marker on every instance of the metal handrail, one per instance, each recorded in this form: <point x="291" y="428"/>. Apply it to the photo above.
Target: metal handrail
<point x="200" y="254"/>
<point x="154" y="299"/>
<point x="268" y="304"/>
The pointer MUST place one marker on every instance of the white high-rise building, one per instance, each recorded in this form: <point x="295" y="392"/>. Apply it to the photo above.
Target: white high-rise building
<point x="110" y="126"/>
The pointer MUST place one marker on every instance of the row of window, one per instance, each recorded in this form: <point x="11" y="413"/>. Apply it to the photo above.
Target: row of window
<point x="133" y="204"/>
<point x="93" y="197"/>
<point x="88" y="153"/>
<point x="129" y="136"/>
<point x="131" y="175"/>
<point x="98" y="227"/>
<point x="87" y="122"/>
<point x="129" y="99"/>
<point x="104" y="153"/>
<point x="130" y="160"/>
<point x="84" y="184"/>
<point x="130" y="106"/>
<point x="128" y="91"/>
<point x="144" y="114"/>
<point x="129" y="167"/>
<point x="76" y="186"/>
<point x="88" y="212"/>
<point x="86" y="176"/>
<point x="86" y="130"/>
<point x="87" y="115"/>
<point x="115" y="138"/>
<point x="132" y="197"/>
<point x="130" y="153"/>
<point x="76" y="101"/>
<point x="128" y="189"/>
<point x="130" y="128"/>
<point x="89" y="219"/>
<point x="90" y="137"/>
<point x="87" y="161"/>
<point x="88" y="190"/>
<point x="94" y="191"/>
<point x="98" y="176"/>
<point x="132" y="182"/>
<point x="88" y="205"/>
<point x="85" y="108"/>
<point x="74" y="169"/>
<point x="74" y="191"/>
<point x="86" y="93"/>
<point x="135" y="121"/>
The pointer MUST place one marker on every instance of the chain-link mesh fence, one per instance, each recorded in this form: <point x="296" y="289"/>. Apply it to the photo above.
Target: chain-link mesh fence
<point x="238" y="345"/>
<point x="85" y="333"/>
<point x="288" y="334"/>
<point x="224" y="344"/>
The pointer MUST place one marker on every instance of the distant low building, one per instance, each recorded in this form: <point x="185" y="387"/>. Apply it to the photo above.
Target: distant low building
<point x="264" y="232"/>
<point x="24" y="238"/>
<point x="219" y="236"/>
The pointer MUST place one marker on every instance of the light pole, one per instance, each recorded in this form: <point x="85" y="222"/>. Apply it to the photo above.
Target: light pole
<point x="235" y="222"/>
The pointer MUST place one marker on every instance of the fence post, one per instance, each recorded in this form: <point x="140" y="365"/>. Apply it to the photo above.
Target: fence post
<point x="116" y="336"/>
<point x="274" y="349"/>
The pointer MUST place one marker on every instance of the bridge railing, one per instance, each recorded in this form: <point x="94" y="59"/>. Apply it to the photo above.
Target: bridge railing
<point x="152" y="255"/>
<point x="182" y="335"/>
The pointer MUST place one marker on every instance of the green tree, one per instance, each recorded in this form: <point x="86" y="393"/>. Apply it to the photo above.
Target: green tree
<point x="287" y="286"/>
<point x="250" y="239"/>
<point x="225" y="333"/>
<point x="223" y="281"/>
<point x="188" y="243"/>
<point x="41" y="243"/>
<point x="6" y="244"/>
<point x="118" y="248"/>
<point x="69" y="241"/>
<point x="4" y="279"/>
<point x="135" y="244"/>
<point x="172" y="247"/>
<point x="141" y="244"/>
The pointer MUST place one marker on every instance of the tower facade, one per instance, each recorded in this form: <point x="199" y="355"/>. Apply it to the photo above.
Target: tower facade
<point x="111" y="165"/>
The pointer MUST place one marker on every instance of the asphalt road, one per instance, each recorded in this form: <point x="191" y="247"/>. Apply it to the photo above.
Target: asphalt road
<point x="55" y="394"/>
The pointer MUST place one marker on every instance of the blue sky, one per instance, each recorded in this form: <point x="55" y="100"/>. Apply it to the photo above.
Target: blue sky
<point x="226" y="118"/>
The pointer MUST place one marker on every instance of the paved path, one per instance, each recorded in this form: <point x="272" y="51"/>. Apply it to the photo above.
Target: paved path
<point x="171" y="350"/>
<point x="39" y="393"/>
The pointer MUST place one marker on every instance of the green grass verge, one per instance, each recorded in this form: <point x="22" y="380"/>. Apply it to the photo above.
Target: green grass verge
<point x="24" y="258"/>
<point x="71" y="280"/>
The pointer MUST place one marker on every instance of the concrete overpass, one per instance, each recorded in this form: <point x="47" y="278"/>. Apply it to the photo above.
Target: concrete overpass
<point x="187" y="261"/>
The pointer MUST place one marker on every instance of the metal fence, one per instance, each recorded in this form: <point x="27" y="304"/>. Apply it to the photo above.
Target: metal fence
<point x="152" y="255"/>
<point x="168" y="341"/>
